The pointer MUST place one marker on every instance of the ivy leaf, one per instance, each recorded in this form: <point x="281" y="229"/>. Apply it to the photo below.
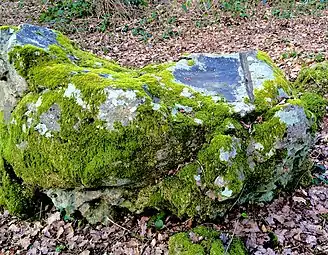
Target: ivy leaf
<point x="159" y="224"/>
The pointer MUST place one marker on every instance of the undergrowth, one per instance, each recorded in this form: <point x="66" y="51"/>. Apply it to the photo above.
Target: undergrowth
<point x="149" y="20"/>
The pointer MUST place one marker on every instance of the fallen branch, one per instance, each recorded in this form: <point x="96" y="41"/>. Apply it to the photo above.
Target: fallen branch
<point x="233" y="235"/>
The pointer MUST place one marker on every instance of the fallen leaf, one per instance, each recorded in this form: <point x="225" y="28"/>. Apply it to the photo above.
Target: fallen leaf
<point x="299" y="199"/>
<point x="53" y="218"/>
<point x="60" y="232"/>
<point x="25" y="242"/>
<point x="86" y="252"/>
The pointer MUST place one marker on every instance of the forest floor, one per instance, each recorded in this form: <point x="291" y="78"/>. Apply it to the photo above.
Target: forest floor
<point x="294" y="223"/>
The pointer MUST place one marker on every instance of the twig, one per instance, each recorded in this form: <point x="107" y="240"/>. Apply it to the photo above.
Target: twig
<point x="233" y="234"/>
<point x="241" y="192"/>
<point x="113" y="222"/>
<point x="134" y="234"/>
<point x="40" y="213"/>
<point x="200" y="165"/>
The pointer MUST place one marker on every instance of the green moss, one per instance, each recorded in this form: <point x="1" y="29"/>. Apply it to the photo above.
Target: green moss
<point x="313" y="79"/>
<point x="178" y="193"/>
<point x="191" y="62"/>
<point x="268" y="133"/>
<point x="180" y="244"/>
<point x="314" y="106"/>
<point x="267" y="97"/>
<point x="14" y="196"/>
<point x="201" y="241"/>
<point x="314" y="103"/>
<point x="87" y="59"/>
<point x="151" y="129"/>
<point x="15" y="28"/>
<point x="237" y="247"/>
<point x="182" y="195"/>
<point x="222" y="157"/>
<point x="313" y="82"/>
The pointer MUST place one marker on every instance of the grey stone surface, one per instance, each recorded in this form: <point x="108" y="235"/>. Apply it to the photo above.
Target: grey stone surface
<point x="120" y="106"/>
<point x="230" y="76"/>
<point x="12" y="85"/>
<point x="37" y="36"/>
<point x="49" y="121"/>
<point x="87" y="202"/>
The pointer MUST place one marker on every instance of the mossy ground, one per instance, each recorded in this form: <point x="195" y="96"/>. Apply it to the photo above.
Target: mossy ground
<point x="201" y="241"/>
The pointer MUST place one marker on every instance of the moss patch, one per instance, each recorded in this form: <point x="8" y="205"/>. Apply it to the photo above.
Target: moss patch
<point x="201" y="241"/>
<point x="267" y="97"/>
<point x="14" y="196"/>
<point x="313" y="79"/>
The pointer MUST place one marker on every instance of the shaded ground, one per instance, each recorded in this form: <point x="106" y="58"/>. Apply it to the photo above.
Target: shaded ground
<point x="290" y="42"/>
<point x="294" y="223"/>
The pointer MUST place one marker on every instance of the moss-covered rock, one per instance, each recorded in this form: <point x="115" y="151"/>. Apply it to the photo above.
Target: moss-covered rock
<point x="314" y="79"/>
<point x="191" y="136"/>
<point x="202" y="241"/>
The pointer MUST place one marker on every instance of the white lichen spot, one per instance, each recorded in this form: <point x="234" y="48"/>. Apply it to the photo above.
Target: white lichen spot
<point x="158" y="78"/>
<point x="220" y="182"/>
<point x="98" y="64"/>
<point x="33" y="107"/>
<point x="73" y="92"/>
<point x="186" y="93"/>
<point x="258" y="146"/>
<point x="156" y="106"/>
<point x="41" y="128"/>
<point x="13" y="122"/>
<point x="39" y="102"/>
<point x="216" y="98"/>
<point x="181" y="108"/>
<point x="270" y="153"/>
<point x="198" y="121"/>
<point x="226" y="155"/>
<point x="230" y="126"/>
<point x="119" y="106"/>
<point x="22" y="145"/>
<point x="29" y="122"/>
<point x="211" y="194"/>
<point x="24" y="128"/>
<point x="162" y="85"/>
<point x="198" y="180"/>
<point x="49" y="121"/>
<point x="48" y="135"/>
<point x="226" y="192"/>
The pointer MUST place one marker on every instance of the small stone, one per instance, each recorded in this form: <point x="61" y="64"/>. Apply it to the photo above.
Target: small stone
<point x="85" y="252"/>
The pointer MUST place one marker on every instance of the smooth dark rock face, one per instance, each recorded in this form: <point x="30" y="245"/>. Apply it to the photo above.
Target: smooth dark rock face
<point x="37" y="36"/>
<point x="232" y="77"/>
<point x="215" y="75"/>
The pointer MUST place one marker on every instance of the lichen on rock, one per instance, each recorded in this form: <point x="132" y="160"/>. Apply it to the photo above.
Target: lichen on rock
<point x="191" y="136"/>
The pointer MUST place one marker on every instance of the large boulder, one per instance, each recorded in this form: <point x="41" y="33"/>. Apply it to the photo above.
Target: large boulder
<point x="193" y="136"/>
